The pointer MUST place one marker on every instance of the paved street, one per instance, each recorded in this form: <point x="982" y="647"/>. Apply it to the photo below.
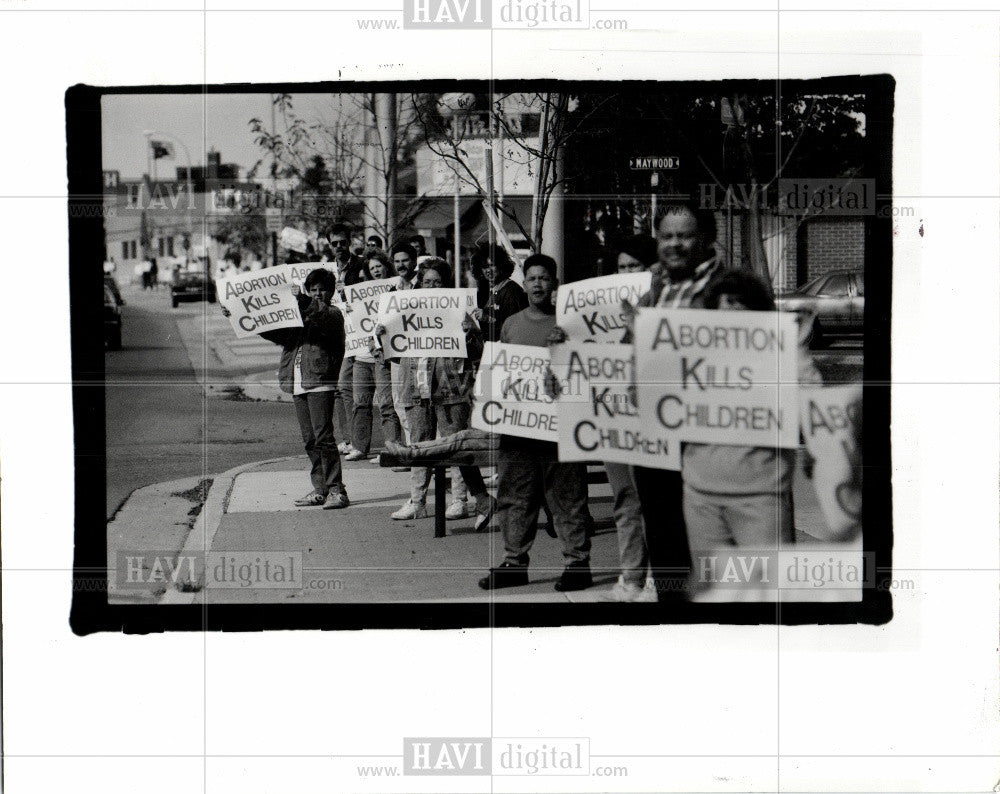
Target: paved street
<point x="160" y="424"/>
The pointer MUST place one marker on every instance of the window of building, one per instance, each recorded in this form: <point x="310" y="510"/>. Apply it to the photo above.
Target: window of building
<point x="160" y="246"/>
<point x="170" y="246"/>
<point x="132" y="247"/>
<point x="125" y="249"/>
<point x="133" y="195"/>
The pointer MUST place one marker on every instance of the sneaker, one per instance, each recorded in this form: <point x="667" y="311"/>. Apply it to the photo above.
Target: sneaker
<point x="335" y="500"/>
<point x="410" y="510"/>
<point x="575" y="576"/>
<point x="626" y="592"/>
<point x="457" y="510"/>
<point x="486" y="506"/>
<point x="507" y="575"/>
<point x="345" y="447"/>
<point x="355" y="454"/>
<point x="312" y="499"/>
<point x="398" y="469"/>
<point x="374" y="461"/>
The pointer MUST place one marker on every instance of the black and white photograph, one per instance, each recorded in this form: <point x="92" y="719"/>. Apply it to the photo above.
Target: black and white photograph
<point x="521" y="396"/>
<point x="573" y="416"/>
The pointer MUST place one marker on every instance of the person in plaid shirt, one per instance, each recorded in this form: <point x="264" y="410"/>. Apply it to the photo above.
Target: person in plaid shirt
<point x="687" y="267"/>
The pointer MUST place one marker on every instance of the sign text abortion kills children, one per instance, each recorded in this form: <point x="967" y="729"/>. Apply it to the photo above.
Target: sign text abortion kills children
<point x="598" y="420"/>
<point x="719" y="377"/>
<point x="510" y="393"/>
<point x="425" y="322"/>
<point x="591" y="310"/>
<point x="262" y="300"/>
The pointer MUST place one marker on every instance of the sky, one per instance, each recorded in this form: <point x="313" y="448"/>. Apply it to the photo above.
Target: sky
<point x="198" y="121"/>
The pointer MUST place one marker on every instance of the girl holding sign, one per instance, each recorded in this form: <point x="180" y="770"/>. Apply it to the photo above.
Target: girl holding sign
<point x="736" y="495"/>
<point x="373" y="382"/>
<point x="437" y="393"/>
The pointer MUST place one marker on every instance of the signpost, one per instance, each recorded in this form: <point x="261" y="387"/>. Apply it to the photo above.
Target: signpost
<point x="654" y="163"/>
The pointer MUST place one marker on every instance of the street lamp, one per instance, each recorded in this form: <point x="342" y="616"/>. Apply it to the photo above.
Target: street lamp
<point x="190" y="190"/>
<point x="453" y="106"/>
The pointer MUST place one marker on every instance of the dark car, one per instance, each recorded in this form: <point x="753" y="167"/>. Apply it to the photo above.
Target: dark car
<point x="836" y="301"/>
<point x="111" y="284"/>
<point x="112" y="321"/>
<point x="192" y="286"/>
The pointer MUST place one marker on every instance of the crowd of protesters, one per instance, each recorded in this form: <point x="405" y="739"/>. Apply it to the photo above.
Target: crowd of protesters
<point x="724" y="495"/>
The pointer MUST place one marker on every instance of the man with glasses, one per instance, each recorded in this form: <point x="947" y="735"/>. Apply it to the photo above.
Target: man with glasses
<point x="349" y="269"/>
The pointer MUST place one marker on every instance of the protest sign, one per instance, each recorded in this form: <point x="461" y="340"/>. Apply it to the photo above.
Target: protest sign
<point x="359" y="305"/>
<point x="297" y="273"/>
<point x="509" y="394"/>
<point x="258" y="301"/>
<point x="719" y="377"/>
<point x="597" y="419"/>
<point x="831" y="424"/>
<point x="294" y="239"/>
<point x="423" y="322"/>
<point x="591" y="309"/>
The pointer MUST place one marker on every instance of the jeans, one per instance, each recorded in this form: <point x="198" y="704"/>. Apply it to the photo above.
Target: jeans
<point x="397" y="402"/>
<point x="760" y="521"/>
<point x="344" y="408"/>
<point x="372" y="388"/>
<point x="661" y="494"/>
<point x="525" y="477"/>
<point x="314" y="410"/>
<point x="628" y="522"/>
<point x="449" y="419"/>
<point x="456" y="445"/>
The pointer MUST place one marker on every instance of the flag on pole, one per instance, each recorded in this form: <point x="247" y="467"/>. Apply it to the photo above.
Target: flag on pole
<point x="162" y="149"/>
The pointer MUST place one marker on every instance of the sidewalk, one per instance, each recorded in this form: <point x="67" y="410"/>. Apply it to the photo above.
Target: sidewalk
<point x="360" y="555"/>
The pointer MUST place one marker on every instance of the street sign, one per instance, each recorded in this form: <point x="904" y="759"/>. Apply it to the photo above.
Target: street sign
<point x="650" y="163"/>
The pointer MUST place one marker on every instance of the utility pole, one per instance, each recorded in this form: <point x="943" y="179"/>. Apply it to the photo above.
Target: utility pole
<point x="385" y="117"/>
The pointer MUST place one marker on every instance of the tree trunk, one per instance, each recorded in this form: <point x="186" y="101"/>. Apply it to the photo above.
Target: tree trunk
<point x="753" y="257"/>
<point x="752" y="254"/>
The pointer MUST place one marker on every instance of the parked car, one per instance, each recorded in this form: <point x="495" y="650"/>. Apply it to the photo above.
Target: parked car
<point x="836" y="302"/>
<point x="112" y="321"/>
<point x="192" y="285"/>
<point x="111" y="284"/>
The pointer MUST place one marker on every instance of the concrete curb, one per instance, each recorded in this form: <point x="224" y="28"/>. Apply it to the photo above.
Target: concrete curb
<point x="202" y="534"/>
<point x="146" y="504"/>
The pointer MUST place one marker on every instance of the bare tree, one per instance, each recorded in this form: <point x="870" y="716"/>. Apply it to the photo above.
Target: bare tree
<point x="541" y="154"/>
<point x="357" y="150"/>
